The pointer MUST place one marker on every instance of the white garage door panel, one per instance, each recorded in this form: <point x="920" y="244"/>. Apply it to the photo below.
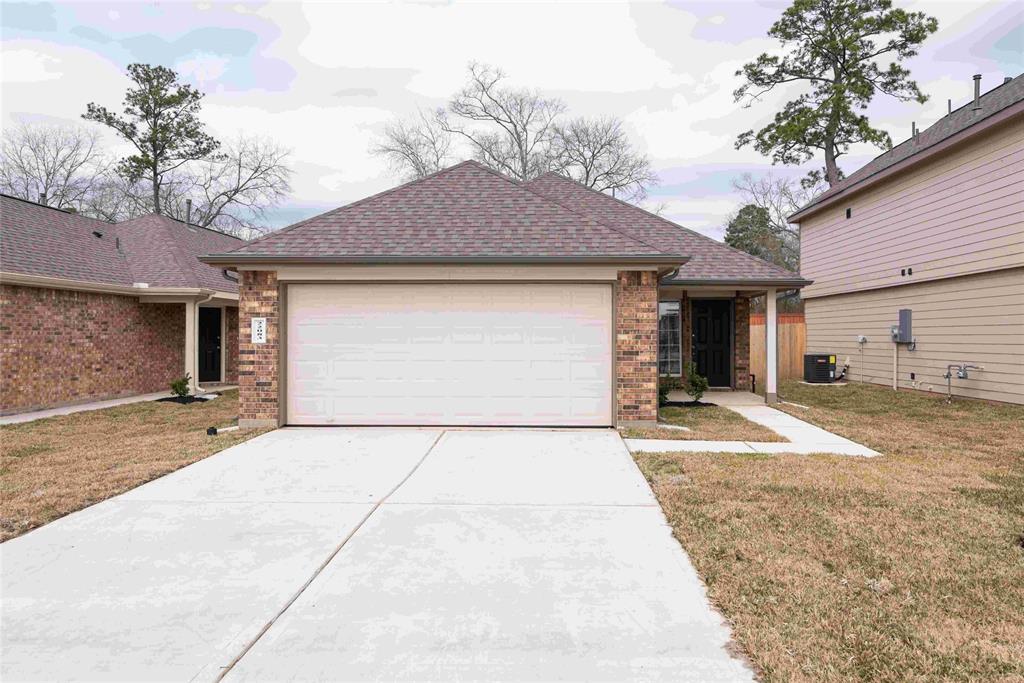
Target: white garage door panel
<point x="473" y="354"/>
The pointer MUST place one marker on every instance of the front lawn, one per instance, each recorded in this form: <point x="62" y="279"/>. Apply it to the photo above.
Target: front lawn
<point x="51" y="467"/>
<point x="905" y="567"/>
<point x="706" y="423"/>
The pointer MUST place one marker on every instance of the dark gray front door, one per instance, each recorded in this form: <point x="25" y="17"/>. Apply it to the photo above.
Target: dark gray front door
<point x="209" y="344"/>
<point x="712" y="340"/>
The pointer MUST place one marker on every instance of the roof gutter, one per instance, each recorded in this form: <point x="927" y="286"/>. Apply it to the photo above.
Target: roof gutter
<point x="901" y="166"/>
<point x="795" y="283"/>
<point x="43" y="282"/>
<point x="272" y="260"/>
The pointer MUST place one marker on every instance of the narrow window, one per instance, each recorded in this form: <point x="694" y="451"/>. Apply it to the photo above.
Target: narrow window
<point x="670" y="357"/>
<point x="849" y="212"/>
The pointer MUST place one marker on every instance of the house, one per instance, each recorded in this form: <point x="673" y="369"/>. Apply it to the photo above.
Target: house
<point x="468" y="298"/>
<point x="934" y="226"/>
<point x="91" y="310"/>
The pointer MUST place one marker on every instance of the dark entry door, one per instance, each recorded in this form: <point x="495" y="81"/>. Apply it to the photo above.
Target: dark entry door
<point x="712" y="342"/>
<point x="209" y="344"/>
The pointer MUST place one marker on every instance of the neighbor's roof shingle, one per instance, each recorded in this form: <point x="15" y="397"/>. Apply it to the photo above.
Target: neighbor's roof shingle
<point x="163" y="252"/>
<point x="709" y="260"/>
<point x="47" y="242"/>
<point x="994" y="101"/>
<point x="467" y="210"/>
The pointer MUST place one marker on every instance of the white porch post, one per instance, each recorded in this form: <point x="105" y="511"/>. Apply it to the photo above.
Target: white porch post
<point x="771" y="348"/>
<point x="191" y="347"/>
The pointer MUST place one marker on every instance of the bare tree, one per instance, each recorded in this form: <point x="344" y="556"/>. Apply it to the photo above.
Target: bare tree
<point x="233" y="191"/>
<point x="775" y="198"/>
<point x="509" y="129"/>
<point x="598" y="154"/>
<point x="519" y="132"/>
<point x="65" y="163"/>
<point x="415" y="149"/>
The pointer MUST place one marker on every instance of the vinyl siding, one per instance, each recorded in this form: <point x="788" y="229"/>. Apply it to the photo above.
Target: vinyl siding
<point x="959" y="214"/>
<point x="977" y="319"/>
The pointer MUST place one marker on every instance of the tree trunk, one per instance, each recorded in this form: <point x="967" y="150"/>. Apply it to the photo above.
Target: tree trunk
<point x="156" y="193"/>
<point x="831" y="169"/>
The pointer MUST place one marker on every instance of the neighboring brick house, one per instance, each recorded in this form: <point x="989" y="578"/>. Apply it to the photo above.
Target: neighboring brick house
<point x="91" y="310"/>
<point x="468" y="298"/>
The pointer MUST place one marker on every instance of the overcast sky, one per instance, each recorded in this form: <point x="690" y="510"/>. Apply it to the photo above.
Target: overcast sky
<point x="323" y="78"/>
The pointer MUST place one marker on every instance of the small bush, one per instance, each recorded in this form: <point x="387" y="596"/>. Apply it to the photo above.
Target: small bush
<point x="180" y="386"/>
<point x="667" y="383"/>
<point x="695" y="384"/>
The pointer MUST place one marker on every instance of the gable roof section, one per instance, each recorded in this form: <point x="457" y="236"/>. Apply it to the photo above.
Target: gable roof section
<point x="467" y="211"/>
<point x="42" y="241"/>
<point x="995" y="104"/>
<point x="711" y="262"/>
<point x="163" y="252"/>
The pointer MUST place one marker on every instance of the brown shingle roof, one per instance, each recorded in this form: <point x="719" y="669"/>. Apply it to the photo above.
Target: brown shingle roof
<point x="47" y="242"/>
<point x="993" y="102"/>
<point x="163" y="252"/>
<point x="710" y="261"/>
<point x="467" y="210"/>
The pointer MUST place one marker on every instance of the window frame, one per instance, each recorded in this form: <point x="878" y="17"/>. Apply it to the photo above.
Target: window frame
<point x="678" y="360"/>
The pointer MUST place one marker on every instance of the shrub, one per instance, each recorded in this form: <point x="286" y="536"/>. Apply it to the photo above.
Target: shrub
<point x="695" y="384"/>
<point x="667" y="383"/>
<point x="180" y="386"/>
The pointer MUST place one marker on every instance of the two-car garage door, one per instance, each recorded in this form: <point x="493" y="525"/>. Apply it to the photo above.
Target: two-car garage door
<point x="449" y="354"/>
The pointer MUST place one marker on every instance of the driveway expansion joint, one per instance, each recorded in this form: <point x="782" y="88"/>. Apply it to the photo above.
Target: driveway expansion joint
<point x="334" y="553"/>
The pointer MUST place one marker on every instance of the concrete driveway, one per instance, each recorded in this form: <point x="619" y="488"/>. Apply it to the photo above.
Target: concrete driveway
<point x="368" y="554"/>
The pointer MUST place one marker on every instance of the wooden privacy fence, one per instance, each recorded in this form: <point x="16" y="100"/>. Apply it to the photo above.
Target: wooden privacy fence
<point x="792" y="344"/>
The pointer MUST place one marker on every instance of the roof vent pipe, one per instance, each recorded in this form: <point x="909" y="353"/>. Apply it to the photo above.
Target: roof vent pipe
<point x="1007" y="79"/>
<point x="949" y="107"/>
<point x="42" y="198"/>
<point x="913" y="130"/>
<point x="188" y="211"/>
<point x="977" y="91"/>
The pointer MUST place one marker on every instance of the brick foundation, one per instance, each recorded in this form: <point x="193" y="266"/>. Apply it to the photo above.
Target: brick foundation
<point x="61" y="347"/>
<point x="258" y="372"/>
<point x="636" y="347"/>
<point x="741" y="351"/>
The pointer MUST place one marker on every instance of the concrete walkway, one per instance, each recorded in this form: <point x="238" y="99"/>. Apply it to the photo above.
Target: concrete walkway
<point x="804" y="438"/>
<point x="369" y="554"/>
<point x="19" y="418"/>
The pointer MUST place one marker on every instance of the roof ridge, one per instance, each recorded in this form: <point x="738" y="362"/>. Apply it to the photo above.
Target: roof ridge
<point x="595" y="218"/>
<point x="74" y="214"/>
<point x="337" y="209"/>
<point x="181" y="259"/>
<point x="666" y="221"/>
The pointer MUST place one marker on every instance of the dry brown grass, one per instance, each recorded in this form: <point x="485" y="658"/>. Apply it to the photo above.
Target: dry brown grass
<point x="907" y="567"/>
<point x="51" y="467"/>
<point x="706" y="423"/>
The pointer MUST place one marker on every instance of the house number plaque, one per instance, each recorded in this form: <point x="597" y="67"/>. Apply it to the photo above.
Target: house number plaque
<point x="259" y="330"/>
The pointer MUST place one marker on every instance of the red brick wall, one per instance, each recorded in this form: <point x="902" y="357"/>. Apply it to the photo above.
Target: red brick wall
<point x="636" y="346"/>
<point x="741" y="357"/>
<point x="231" y="351"/>
<point x="59" y="347"/>
<point x="258" y="372"/>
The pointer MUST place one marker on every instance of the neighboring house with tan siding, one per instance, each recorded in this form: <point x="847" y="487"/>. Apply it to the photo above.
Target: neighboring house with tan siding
<point x="91" y="310"/>
<point x="935" y="225"/>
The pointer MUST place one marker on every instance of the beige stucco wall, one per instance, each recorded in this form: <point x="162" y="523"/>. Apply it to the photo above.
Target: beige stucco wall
<point x="960" y="213"/>
<point x="975" y="318"/>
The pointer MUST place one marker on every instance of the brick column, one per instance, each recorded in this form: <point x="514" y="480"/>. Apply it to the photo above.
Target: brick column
<point x="636" y="347"/>
<point x="257" y="363"/>
<point x="741" y="359"/>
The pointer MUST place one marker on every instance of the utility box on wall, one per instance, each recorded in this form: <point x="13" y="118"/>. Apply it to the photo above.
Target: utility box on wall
<point x="902" y="333"/>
